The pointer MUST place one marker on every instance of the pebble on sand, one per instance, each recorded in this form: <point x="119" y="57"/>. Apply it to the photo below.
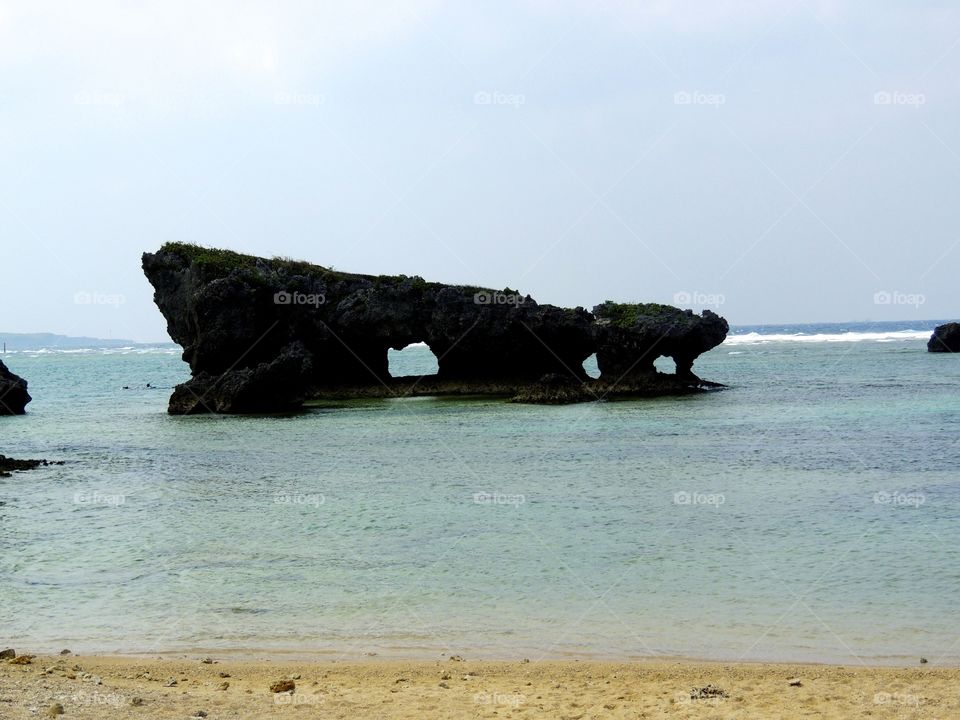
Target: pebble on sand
<point x="283" y="686"/>
<point x="55" y="709"/>
<point x="8" y="654"/>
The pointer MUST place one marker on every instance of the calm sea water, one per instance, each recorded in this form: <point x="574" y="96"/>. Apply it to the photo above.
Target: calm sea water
<point x="809" y="512"/>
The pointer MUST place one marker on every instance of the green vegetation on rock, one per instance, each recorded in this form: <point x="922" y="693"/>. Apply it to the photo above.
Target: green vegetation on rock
<point x="222" y="262"/>
<point x="626" y="315"/>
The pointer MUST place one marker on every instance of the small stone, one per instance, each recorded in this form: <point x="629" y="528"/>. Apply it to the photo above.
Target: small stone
<point x="8" y="654"/>
<point x="283" y="686"/>
<point x="456" y="658"/>
<point x="207" y="661"/>
<point x="525" y="660"/>
<point x="199" y="714"/>
<point x="795" y="682"/>
<point x="444" y="686"/>
<point x="55" y="709"/>
<point x="172" y="682"/>
<point x="445" y="676"/>
<point x="137" y="702"/>
<point x="22" y="660"/>
<point x="923" y="661"/>
<point x="223" y="674"/>
<point x="295" y="677"/>
<point x="223" y="686"/>
<point x="65" y="652"/>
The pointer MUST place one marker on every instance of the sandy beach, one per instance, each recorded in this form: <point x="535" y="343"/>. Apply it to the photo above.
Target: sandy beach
<point x="199" y="686"/>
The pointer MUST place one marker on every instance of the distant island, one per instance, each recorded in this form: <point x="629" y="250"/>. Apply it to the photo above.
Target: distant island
<point x="40" y="341"/>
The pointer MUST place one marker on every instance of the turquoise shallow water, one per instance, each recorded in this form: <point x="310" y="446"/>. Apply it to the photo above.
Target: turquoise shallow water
<point x="809" y="512"/>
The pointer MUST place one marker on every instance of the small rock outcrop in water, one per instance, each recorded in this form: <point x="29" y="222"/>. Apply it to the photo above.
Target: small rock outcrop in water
<point x="945" y="338"/>
<point x="13" y="393"/>
<point x="8" y="465"/>
<point x="265" y="335"/>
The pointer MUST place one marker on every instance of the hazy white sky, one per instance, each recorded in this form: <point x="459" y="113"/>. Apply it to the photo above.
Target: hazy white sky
<point x="783" y="161"/>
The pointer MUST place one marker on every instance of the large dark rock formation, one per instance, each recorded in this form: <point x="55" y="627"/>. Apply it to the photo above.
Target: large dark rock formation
<point x="631" y="337"/>
<point x="945" y="338"/>
<point x="264" y="335"/>
<point x="13" y="393"/>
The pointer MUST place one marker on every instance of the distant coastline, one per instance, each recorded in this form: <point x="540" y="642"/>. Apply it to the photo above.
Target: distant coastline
<point x="37" y="341"/>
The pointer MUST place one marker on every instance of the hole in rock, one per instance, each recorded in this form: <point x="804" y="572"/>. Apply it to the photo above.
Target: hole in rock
<point x="665" y="364"/>
<point x="590" y="366"/>
<point x="415" y="360"/>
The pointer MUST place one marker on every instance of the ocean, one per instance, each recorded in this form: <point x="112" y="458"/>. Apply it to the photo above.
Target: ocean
<point x="808" y="512"/>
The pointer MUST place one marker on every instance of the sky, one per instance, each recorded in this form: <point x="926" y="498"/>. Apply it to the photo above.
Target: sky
<point x="777" y="161"/>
